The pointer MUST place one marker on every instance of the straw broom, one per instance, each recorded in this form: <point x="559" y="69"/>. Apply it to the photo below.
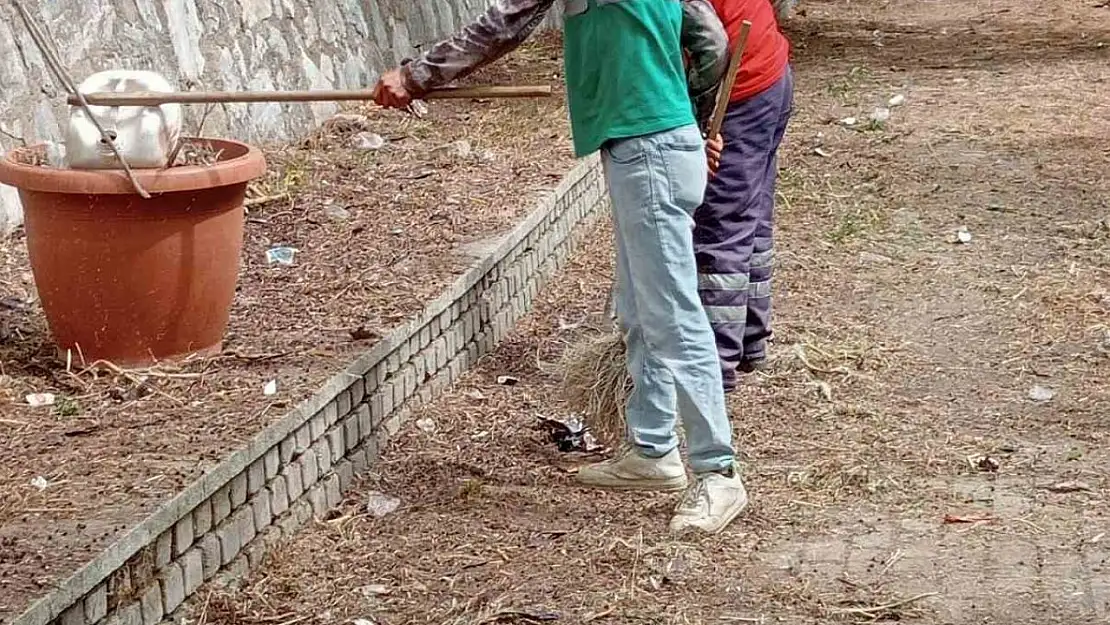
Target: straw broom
<point x="596" y="382"/>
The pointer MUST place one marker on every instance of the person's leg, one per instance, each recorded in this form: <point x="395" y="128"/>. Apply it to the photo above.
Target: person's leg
<point x="729" y="219"/>
<point x="724" y="235"/>
<point x="656" y="183"/>
<point x="650" y="460"/>
<point x="758" y="327"/>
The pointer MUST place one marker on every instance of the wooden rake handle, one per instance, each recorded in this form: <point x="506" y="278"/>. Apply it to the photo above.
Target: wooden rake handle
<point x="149" y="98"/>
<point x="724" y="90"/>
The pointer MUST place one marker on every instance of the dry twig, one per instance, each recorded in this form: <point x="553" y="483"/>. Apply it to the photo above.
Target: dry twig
<point x="878" y="611"/>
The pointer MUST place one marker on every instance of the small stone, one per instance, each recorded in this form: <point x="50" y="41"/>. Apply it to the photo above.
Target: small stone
<point x="962" y="236"/>
<point x="1041" y="394"/>
<point x="455" y="149"/>
<point x="426" y="425"/>
<point x="337" y="213"/>
<point x="374" y="590"/>
<point x="381" y="504"/>
<point x="368" y="141"/>
<point x="880" y="115"/>
<point x="897" y="100"/>
<point x="872" y="258"/>
<point x="38" y="400"/>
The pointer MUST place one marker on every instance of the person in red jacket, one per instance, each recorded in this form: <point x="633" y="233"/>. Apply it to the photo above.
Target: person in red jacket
<point x="733" y="226"/>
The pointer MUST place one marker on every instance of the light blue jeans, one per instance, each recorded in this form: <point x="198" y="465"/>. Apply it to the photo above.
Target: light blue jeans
<point x="656" y="182"/>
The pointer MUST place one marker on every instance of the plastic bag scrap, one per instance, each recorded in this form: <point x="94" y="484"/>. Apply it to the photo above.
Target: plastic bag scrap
<point x="570" y="434"/>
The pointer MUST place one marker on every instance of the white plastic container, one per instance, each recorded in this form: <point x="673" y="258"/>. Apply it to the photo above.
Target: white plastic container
<point x="144" y="135"/>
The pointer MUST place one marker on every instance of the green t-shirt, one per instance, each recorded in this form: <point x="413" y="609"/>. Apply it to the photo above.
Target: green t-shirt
<point x="624" y="71"/>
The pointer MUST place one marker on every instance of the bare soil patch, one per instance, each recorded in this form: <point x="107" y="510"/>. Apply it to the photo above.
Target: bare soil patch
<point x="379" y="232"/>
<point x="928" y="444"/>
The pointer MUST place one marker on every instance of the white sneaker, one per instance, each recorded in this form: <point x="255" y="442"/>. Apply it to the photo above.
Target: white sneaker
<point x="712" y="502"/>
<point x="628" y="470"/>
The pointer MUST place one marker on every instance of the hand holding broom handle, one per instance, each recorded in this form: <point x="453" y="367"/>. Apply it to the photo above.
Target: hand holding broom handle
<point x="147" y="98"/>
<point x="728" y="80"/>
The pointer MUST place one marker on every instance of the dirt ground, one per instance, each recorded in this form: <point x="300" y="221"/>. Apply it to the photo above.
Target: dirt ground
<point x="379" y="233"/>
<point x="929" y="443"/>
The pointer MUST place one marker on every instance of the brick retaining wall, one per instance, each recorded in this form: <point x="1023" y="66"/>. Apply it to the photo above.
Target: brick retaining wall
<point x="298" y="468"/>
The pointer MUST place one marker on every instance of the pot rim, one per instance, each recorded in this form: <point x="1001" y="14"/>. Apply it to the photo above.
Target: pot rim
<point x="241" y="169"/>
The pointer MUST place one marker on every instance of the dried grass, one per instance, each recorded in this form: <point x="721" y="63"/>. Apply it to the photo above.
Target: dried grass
<point x="596" y="384"/>
<point x="32" y="157"/>
<point x="196" y="153"/>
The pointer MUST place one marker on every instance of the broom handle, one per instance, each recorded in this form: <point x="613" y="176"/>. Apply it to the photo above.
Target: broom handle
<point x="147" y="98"/>
<point x="728" y="80"/>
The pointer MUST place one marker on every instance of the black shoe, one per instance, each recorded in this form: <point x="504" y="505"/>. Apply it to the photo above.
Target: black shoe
<point x="752" y="365"/>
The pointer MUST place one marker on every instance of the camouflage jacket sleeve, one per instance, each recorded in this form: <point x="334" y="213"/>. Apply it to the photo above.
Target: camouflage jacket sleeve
<point x="503" y="27"/>
<point x="706" y="42"/>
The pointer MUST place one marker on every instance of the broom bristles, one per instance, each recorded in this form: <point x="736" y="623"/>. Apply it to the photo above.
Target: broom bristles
<point x="596" y="384"/>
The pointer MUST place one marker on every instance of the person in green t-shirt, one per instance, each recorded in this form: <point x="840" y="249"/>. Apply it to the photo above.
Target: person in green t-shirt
<point x="631" y="97"/>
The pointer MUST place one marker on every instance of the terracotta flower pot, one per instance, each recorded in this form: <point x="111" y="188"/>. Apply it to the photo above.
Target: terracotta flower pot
<point x="128" y="280"/>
